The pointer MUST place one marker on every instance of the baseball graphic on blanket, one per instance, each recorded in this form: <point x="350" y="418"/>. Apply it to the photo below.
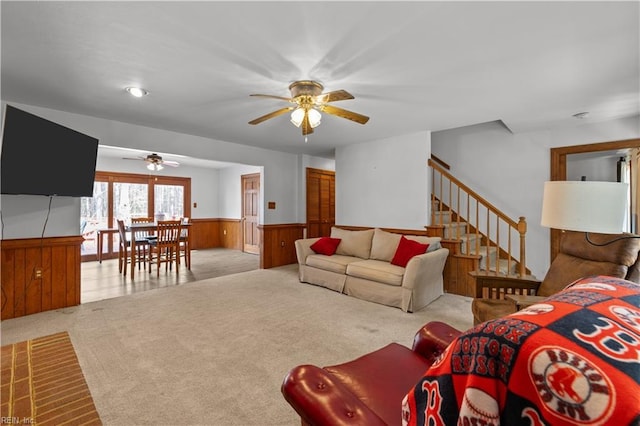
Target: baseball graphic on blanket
<point x="478" y="407"/>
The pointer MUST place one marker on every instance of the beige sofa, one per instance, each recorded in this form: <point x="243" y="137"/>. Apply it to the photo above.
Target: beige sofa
<point x="361" y="267"/>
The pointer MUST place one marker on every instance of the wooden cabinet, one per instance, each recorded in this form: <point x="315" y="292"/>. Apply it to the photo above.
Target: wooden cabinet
<point x="39" y="274"/>
<point x="321" y="203"/>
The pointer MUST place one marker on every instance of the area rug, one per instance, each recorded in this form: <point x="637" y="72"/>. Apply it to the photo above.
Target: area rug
<point x="43" y="384"/>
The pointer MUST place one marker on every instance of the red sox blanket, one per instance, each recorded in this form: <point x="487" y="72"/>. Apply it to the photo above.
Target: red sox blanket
<point x="573" y="359"/>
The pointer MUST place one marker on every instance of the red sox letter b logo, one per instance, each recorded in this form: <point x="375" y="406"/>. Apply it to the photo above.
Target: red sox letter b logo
<point x="613" y="341"/>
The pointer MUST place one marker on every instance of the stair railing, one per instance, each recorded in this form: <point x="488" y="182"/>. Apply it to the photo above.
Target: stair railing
<point x="489" y="227"/>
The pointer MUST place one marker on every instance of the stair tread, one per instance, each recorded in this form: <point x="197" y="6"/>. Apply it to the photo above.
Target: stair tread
<point x="483" y="249"/>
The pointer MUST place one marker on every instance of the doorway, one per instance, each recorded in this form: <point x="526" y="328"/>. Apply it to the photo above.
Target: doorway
<point x="559" y="172"/>
<point x="250" y="211"/>
<point x="321" y="202"/>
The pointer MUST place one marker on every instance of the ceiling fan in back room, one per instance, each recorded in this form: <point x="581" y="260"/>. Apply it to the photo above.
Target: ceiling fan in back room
<point x="308" y="102"/>
<point x="154" y="162"/>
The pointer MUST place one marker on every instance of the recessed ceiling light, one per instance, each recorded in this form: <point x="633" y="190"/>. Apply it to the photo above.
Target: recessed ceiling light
<point x="138" y="92"/>
<point x="581" y="115"/>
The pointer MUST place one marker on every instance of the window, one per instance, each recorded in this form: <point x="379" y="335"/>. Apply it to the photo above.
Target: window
<point x="127" y="195"/>
<point x="169" y="201"/>
<point x="130" y="200"/>
<point x="93" y="216"/>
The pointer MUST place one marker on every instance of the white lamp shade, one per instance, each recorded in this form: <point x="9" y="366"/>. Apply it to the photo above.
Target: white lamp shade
<point x="585" y="206"/>
<point x="314" y="118"/>
<point x="297" y="116"/>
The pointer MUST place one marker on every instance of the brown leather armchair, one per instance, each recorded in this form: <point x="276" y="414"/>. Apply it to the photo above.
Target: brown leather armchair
<point x="368" y="390"/>
<point x="577" y="258"/>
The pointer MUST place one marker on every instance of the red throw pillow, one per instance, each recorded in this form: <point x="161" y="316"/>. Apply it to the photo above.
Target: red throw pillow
<point x="326" y="245"/>
<point x="406" y="250"/>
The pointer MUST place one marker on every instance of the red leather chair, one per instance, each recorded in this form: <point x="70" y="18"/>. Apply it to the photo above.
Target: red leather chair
<point x="368" y="390"/>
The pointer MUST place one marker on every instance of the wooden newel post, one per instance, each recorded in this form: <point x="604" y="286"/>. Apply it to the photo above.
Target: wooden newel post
<point x="522" y="229"/>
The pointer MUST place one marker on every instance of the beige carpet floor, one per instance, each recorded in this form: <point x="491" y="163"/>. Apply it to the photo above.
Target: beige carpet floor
<point x="214" y="352"/>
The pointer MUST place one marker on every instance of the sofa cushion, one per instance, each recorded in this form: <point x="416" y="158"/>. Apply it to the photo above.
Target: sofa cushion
<point x="336" y="263"/>
<point x="376" y="270"/>
<point x="326" y="245"/>
<point x="384" y="245"/>
<point x="434" y="242"/>
<point x="406" y="250"/>
<point x="354" y="243"/>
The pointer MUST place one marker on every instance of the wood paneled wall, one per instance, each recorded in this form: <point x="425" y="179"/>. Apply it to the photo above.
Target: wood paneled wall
<point x="278" y="244"/>
<point x="57" y="259"/>
<point x="211" y="233"/>
<point x="230" y="234"/>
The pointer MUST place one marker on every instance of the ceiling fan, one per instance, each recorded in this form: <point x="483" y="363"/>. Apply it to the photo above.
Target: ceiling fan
<point x="155" y="162"/>
<point x="308" y="101"/>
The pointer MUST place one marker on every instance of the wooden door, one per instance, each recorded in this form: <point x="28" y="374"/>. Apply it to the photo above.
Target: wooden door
<point x="321" y="203"/>
<point x="250" y="209"/>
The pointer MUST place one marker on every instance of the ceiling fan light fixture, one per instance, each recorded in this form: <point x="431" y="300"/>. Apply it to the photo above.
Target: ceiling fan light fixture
<point x="297" y="116"/>
<point x="309" y="102"/>
<point x="138" y="92"/>
<point x="154" y="167"/>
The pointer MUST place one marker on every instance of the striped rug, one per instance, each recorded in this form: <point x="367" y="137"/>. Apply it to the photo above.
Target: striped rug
<point x="42" y="383"/>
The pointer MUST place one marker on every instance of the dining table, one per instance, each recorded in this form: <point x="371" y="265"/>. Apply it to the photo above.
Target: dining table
<point x="148" y="227"/>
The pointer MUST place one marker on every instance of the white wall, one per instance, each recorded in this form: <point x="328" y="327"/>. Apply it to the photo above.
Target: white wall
<point x="230" y="197"/>
<point x="602" y="169"/>
<point x="509" y="169"/>
<point x="384" y="183"/>
<point x="25" y="216"/>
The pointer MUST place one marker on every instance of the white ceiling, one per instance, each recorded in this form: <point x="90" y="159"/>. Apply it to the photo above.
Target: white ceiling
<point x="412" y="66"/>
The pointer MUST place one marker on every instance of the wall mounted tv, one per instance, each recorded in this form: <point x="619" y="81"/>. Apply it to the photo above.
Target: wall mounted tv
<point x="40" y="157"/>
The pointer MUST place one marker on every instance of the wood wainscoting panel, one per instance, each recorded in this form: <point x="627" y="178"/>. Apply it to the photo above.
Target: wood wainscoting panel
<point x="230" y="234"/>
<point x="212" y="233"/>
<point x="39" y="274"/>
<point x="204" y="233"/>
<point x="278" y="244"/>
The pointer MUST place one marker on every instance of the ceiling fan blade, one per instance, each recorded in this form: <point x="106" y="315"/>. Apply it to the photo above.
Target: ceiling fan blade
<point x="136" y="158"/>
<point x="282" y="98"/>
<point x="170" y="163"/>
<point x="349" y="115"/>
<point x="271" y="115"/>
<point x="306" y="126"/>
<point x="338" y="95"/>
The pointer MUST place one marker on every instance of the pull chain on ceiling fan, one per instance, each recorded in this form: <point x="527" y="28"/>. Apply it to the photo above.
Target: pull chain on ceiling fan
<point x="309" y="101"/>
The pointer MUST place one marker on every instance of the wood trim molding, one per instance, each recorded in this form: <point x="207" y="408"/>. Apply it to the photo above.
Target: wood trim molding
<point x="13" y="244"/>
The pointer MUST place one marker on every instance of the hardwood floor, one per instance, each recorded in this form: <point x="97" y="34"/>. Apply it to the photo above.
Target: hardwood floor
<point x="103" y="281"/>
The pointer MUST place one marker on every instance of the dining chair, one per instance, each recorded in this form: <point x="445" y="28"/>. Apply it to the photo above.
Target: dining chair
<point x="142" y="238"/>
<point x="123" y="247"/>
<point x="184" y="247"/>
<point x="165" y="247"/>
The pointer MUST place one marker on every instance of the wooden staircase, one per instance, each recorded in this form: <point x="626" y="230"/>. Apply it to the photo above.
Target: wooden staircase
<point x="480" y="237"/>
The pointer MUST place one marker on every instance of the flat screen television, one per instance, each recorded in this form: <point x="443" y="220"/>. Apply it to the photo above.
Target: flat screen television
<point x="40" y="157"/>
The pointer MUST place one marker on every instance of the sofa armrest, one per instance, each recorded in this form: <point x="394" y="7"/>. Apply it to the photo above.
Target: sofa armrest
<point x="319" y="399"/>
<point x="303" y="249"/>
<point x="433" y="338"/>
<point x="425" y="268"/>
